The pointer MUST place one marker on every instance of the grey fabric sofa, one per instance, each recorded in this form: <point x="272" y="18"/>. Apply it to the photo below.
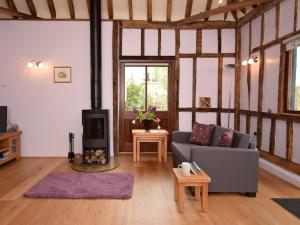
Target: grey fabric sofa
<point x="232" y="169"/>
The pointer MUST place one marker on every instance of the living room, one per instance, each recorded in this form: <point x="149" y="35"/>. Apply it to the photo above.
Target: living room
<point x="226" y="70"/>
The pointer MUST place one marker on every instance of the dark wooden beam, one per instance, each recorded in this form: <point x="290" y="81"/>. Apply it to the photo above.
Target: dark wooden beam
<point x="169" y="10"/>
<point x="222" y="9"/>
<point x="272" y="136"/>
<point x="188" y="9"/>
<point x="258" y="11"/>
<point x="110" y="9"/>
<point x="71" y="9"/>
<point x="194" y="90"/>
<point x="177" y="76"/>
<point x="220" y="72"/>
<point x="208" y="7"/>
<point x="237" y="89"/>
<point x="277" y="15"/>
<point x="149" y="10"/>
<point x="31" y="7"/>
<point x="289" y="140"/>
<point x="51" y="8"/>
<point x="159" y="42"/>
<point x="17" y="14"/>
<point x="130" y="10"/>
<point x="199" y="42"/>
<point x="11" y="5"/>
<point x="173" y="25"/>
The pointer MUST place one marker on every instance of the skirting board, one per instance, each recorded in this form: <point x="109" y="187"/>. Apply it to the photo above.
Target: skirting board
<point x="280" y="172"/>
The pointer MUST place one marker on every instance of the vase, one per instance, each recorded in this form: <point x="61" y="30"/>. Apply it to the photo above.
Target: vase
<point x="147" y="125"/>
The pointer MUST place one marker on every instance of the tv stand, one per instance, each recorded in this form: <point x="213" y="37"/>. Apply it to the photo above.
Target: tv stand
<point x="9" y="146"/>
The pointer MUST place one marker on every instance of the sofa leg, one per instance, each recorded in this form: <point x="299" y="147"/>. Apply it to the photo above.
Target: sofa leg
<point x="251" y="194"/>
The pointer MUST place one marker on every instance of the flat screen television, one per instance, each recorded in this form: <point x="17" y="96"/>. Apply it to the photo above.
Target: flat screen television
<point x="3" y="119"/>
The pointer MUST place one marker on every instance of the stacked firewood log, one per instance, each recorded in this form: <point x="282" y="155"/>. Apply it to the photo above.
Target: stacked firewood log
<point x="95" y="156"/>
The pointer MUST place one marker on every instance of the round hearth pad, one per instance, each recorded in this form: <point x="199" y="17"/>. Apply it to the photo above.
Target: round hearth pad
<point x="113" y="163"/>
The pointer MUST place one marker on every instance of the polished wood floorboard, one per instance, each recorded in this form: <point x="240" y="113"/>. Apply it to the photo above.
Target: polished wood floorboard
<point x="152" y="202"/>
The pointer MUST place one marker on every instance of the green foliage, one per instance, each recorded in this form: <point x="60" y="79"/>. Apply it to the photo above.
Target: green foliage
<point x="135" y="96"/>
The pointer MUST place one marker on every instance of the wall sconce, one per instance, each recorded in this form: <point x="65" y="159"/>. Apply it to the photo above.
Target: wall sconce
<point x="250" y="61"/>
<point x="35" y="63"/>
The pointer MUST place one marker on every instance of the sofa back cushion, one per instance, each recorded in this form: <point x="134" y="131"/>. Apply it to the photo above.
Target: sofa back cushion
<point x="218" y="132"/>
<point x="201" y="134"/>
<point x="240" y="140"/>
<point x="226" y="139"/>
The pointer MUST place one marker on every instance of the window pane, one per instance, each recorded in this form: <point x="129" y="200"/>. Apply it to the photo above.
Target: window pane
<point x="134" y="88"/>
<point x="157" y="87"/>
<point x="297" y="82"/>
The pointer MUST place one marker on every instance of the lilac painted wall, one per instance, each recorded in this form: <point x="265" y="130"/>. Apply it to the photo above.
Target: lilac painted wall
<point x="46" y="111"/>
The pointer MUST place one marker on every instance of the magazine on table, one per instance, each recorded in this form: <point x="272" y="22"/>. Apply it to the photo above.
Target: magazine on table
<point x="195" y="168"/>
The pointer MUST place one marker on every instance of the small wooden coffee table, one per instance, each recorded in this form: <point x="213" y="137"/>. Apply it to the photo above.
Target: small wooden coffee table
<point x="199" y="181"/>
<point x="159" y="136"/>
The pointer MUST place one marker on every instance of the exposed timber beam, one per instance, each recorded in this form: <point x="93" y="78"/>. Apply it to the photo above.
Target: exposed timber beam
<point x="17" y="14"/>
<point x="130" y="10"/>
<point x="71" y="9"/>
<point x="11" y="5"/>
<point x="51" y="8"/>
<point x="222" y="9"/>
<point x="31" y="7"/>
<point x="208" y="7"/>
<point x="149" y="10"/>
<point x="188" y="9"/>
<point x="169" y="10"/>
<point x="110" y="9"/>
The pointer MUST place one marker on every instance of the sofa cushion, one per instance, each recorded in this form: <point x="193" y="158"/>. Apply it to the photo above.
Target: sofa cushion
<point x="240" y="140"/>
<point x="226" y="139"/>
<point x="201" y="134"/>
<point x="182" y="150"/>
<point x="218" y="132"/>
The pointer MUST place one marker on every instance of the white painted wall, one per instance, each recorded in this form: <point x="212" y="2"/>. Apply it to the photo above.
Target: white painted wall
<point x="209" y="41"/>
<point x="286" y="18"/>
<point x="185" y="81"/>
<point x="187" y="41"/>
<point x="46" y="111"/>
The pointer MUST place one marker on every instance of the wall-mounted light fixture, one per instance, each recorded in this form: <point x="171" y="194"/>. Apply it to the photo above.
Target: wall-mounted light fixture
<point x="250" y="61"/>
<point x="35" y="63"/>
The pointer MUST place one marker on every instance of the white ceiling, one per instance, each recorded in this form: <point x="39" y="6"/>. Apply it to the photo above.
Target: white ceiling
<point x="120" y="9"/>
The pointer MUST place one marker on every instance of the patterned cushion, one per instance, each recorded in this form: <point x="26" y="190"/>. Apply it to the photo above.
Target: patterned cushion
<point x="226" y="139"/>
<point x="201" y="134"/>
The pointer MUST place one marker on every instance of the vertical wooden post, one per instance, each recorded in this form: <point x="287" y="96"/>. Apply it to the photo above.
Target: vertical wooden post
<point x="277" y="20"/>
<point x="199" y="42"/>
<point x="142" y="42"/>
<point x="272" y="136"/>
<point x="248" y="124"/>
<point x="260" y="96"/>
<point x="177" y="75"/>
<point x="281" y="79"/>
<point x="220" y="71"/>
<point x="237" y="90"/>
<point x="159" y="42"/>
<point x="115" y="70"/>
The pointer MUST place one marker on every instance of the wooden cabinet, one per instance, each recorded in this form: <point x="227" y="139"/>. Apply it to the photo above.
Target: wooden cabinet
<point x="9" y="146"/>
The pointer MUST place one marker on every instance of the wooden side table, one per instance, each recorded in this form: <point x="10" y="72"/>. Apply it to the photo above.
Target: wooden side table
<point x="199" y="181"/>
<point x="159" y="136"/>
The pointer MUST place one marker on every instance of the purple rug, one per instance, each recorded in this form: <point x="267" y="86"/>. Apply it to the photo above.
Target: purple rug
<point x="83" y="186"/>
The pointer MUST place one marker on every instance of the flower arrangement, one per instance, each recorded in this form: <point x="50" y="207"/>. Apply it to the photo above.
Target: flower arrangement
<point x="147" y="115"/>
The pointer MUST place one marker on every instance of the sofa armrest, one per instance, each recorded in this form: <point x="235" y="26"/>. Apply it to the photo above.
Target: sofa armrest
<point x="181" y="136"/>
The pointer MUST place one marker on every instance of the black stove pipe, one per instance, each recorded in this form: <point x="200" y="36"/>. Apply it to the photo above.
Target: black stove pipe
<point x="95" y="36"/>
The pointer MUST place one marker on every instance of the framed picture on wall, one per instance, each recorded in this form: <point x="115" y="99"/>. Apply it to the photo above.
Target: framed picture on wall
<point x="62" y="74"/>
<point x="204" y="102"/>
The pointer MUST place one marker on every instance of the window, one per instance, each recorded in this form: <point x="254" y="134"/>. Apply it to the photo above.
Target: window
<point x="146" y="85"/>
<point x="293" y="95"/>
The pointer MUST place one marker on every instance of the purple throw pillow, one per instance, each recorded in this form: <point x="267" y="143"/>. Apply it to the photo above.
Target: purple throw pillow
<point x="226" y="139"/>
<point x="201" y="134"/>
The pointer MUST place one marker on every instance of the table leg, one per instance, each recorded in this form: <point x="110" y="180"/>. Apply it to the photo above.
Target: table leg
<point x="175" y="189"/>
<point x="159" y="151"/>
<point x="197" y="192"/>
<point x="181" y="198"/>
<point x="205" y="197"/>
<point x="134" y="148"/>
<point x="165" y="148"/>
<point x="138" y="150"/>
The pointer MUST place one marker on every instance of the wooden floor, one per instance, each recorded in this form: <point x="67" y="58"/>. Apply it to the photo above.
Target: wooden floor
<point x="152" y="201"/>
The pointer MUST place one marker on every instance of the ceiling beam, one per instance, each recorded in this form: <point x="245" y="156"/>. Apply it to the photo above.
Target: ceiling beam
<point x="169" y="10"/>
<point x="110" y="9"/>
<point x="208" y="7"/>
<point x="188" y="9"/>
<point x="222" y="9"/>
<point x="51" y="8"/>
<point x="258" y="11"/>
<point x="130" y="10"/>
<point x="149" y="10"/>
<point x="11" y="5"/>
<point x="31" y="7"/>
<point x="71" y="9"/>
<point x="17" y="14"/>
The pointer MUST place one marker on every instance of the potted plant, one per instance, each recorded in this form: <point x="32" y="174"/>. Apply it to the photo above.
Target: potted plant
<point x="146" y="117"/>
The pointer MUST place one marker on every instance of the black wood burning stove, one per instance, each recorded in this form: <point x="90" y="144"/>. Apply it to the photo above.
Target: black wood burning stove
<point x="95" y="122"/>
<point x="95" y="132"/>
